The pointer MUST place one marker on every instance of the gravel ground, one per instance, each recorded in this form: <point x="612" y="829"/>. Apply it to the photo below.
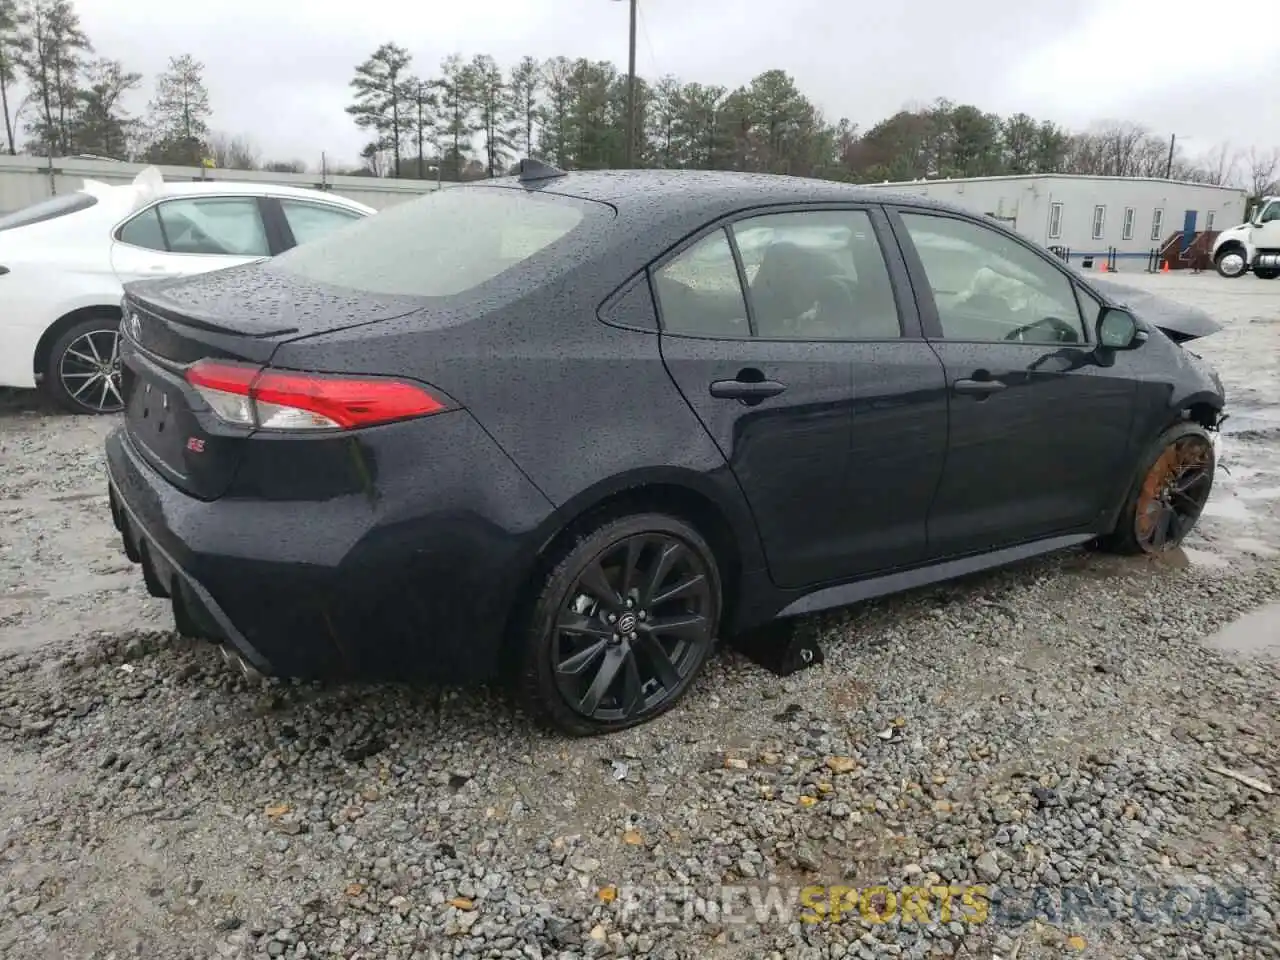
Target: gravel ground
<point x="1071" y="744"/>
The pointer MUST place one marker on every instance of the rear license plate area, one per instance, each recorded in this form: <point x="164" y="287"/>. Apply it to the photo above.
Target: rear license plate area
<point x="160" y="420"/>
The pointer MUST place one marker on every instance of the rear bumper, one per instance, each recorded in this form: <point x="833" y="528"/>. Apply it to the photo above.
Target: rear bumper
<point x="413" y="581"/>
<point x="194" y="609"/>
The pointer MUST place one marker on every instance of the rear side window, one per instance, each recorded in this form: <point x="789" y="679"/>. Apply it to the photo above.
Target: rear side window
<point x="50" y="209"/>
<point x="144" y="231"/>
<point x="810" y="275"/>
<point x="441" y="245"/>
<point x="699" y="291"/>
<point x="215" y="226"/>
<point x="310" y="221"/>
<point x="817" y="275"/>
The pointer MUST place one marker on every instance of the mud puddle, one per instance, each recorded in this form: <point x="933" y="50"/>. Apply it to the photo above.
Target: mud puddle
<point x="1256" y="634"/>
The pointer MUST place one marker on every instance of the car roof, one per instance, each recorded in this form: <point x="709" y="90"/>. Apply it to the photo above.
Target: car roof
<point x="195" y="188"/>
<point x="673" y="203"/>
<point x="714" y="192"/>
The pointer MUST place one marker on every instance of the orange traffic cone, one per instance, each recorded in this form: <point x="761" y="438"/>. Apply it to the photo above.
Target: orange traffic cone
<point x="1165" y="268"/>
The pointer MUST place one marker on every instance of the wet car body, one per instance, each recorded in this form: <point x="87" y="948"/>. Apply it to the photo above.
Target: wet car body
<point x="407" y="549"/>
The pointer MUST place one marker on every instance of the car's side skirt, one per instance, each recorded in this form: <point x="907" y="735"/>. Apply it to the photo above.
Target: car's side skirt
<point x="844" y="594"/>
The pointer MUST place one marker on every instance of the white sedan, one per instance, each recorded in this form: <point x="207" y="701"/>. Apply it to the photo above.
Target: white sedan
<point x="63" y="263"/>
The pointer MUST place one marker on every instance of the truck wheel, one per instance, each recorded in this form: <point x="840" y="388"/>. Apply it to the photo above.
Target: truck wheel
<point x="1231" y="263"/>
<point x="1266" y="273"/>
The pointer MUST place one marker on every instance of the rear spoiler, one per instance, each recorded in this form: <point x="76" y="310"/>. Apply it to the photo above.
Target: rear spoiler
<point x="146" y="185"/>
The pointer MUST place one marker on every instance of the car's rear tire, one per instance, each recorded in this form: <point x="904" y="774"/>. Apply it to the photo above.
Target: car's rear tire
<point x="82" y="371"/>
<point x="1266" y="273"/>
<point x="1169" y="491"/>
<point x="621" y="626"/>
<point x="1231" y="262"/>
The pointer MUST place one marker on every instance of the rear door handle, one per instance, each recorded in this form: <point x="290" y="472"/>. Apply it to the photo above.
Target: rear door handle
<point x="978" y="388"/>
<point x="749" y="391"/>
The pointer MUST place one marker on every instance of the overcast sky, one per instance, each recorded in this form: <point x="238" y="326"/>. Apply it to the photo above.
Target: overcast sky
<point x="278" y="70"/>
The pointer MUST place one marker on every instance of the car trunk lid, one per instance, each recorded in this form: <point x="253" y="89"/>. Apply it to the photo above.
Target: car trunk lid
<point x="171" y="324"/>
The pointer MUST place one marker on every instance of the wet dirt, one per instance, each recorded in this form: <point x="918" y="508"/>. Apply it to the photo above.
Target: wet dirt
<point x="62" y="572"/>
<point x="1257" y="634"/>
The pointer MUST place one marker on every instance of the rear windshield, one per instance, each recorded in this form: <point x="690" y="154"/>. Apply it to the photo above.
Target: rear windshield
<point x="443" y="244"/>
<point x="41" y="210"/>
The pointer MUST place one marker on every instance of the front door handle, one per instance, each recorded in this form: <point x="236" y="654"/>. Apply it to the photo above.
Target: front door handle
<point x="978" y="388"/>
<point x="748" y="391"/>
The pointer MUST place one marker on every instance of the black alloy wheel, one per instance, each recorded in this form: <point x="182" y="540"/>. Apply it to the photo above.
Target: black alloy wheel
<point x="625" y="623"/>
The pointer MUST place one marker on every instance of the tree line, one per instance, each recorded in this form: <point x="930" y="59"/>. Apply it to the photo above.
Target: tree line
<point x="58" y="97"/>
<point x="471" y="117"/>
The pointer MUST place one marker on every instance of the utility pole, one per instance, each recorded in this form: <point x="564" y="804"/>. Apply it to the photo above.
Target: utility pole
<point x="1168" y="167"/>
<point x="631" y="91"/>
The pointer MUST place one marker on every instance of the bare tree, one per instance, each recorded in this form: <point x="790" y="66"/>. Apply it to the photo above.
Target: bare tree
<point x="1263" y="169"/>
<point x="285" y="166"/>
<point x="1220" y="165"/>
<point x="233" y="152"/>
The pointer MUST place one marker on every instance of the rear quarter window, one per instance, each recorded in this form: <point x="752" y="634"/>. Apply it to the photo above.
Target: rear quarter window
<point x="446" y="243"/>
<point x="42" y="210"/>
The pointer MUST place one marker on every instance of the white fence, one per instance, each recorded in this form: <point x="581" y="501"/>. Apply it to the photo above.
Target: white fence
<point x="25" y="180"/>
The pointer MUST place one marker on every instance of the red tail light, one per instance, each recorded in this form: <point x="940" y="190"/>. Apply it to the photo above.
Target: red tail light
<point x="254" y="396"/>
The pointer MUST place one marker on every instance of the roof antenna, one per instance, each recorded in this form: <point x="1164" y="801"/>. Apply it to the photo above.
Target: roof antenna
<point x="531" y="170"/>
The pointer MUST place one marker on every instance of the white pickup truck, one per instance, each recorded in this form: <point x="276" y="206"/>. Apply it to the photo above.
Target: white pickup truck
<point x="1255" y="244"/>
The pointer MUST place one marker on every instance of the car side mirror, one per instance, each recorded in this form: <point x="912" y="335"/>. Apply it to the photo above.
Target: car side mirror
<point x="1118" y="330"/>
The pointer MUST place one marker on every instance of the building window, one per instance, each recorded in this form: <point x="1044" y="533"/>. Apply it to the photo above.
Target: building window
<point x="1208" y="223"/>
<point x="1099" y="222"/>
<point x="1055" y="221"/>
<point x="1129" y="214"/>
<point x="1157" y="224"/>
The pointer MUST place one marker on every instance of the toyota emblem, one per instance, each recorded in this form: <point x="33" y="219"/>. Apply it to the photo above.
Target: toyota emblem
<point x="135" y="328"/>
<point x="627" y="623"/>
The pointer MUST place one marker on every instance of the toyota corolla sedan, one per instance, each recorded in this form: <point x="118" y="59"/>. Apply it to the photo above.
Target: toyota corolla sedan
<point x="570" y="429"/>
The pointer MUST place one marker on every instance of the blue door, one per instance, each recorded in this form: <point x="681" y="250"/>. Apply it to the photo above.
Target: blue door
<point x="1188" y="230"/>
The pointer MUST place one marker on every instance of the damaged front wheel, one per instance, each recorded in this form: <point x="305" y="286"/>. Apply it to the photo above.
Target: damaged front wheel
<point x="1169" y="492"/>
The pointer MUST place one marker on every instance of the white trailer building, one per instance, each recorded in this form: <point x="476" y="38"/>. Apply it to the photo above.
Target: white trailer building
<point x="1091" y="216"/>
